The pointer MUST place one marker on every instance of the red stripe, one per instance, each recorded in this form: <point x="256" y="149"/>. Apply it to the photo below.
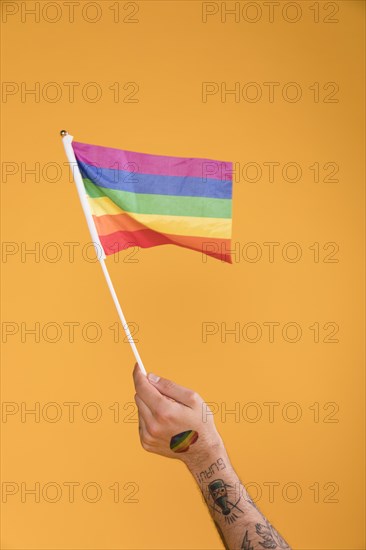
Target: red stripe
<point x="146" y="238"/>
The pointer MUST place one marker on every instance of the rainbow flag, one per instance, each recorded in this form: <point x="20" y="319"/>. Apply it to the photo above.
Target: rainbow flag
<point x="138" y="199"/>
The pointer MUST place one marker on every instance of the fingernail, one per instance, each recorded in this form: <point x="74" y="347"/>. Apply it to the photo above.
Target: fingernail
<point x="153" y="378"/>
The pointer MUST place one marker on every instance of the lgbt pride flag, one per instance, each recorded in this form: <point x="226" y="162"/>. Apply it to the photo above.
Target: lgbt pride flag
<point x="139" y="199"/>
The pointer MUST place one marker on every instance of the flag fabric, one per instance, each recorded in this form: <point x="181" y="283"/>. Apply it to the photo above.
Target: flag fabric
<point x="145" y="200"/>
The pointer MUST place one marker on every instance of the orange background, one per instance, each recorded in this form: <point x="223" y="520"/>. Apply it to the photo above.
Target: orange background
<point x="170" y="292"/>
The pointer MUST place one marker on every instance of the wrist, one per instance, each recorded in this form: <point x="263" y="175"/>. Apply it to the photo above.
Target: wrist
<point x="205" y="455"/>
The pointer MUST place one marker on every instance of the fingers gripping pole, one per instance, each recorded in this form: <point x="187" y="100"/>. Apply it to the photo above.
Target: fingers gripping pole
<point x="121" y="316"/>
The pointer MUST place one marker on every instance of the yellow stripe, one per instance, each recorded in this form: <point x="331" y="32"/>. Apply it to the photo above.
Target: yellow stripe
<point x="174" y="225"/>
<point x="185" y="442"/>
<point x="104" y="205"/>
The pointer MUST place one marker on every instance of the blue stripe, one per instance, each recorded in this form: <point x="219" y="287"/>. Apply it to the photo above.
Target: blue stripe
<point x="156" y="185"/>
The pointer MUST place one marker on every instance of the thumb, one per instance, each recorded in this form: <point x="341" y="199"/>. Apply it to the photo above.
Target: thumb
<point x="175" y="391"/>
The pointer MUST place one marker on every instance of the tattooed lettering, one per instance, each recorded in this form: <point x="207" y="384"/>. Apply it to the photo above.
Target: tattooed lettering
<point x="214" y="468"/>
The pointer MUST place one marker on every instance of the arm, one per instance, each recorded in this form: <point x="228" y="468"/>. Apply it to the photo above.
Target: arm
<point x="239" y="522"/>
<point x="171" y="424"/>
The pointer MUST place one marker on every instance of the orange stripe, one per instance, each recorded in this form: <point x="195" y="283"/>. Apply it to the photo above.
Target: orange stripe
<point x="118" y="222"/>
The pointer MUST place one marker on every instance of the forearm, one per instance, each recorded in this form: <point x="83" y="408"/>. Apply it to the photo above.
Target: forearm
<point x="169" y="413"/>
<point x="239" y="522"/>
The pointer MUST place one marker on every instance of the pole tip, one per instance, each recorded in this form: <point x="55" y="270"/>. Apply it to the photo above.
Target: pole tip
<point x="63" y="133"/>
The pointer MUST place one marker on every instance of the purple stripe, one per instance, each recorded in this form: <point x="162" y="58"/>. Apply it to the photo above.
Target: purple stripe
<point x="144" y="163"/>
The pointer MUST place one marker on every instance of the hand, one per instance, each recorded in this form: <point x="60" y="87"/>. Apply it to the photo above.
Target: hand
<point x="171" y="419"/>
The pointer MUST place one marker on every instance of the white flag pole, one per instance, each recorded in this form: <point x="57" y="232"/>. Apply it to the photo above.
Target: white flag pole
<point x="67" y="140"/>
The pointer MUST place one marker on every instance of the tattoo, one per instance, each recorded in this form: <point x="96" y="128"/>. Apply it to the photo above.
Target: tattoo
<point x="271" y="539"/>
<point x="207" y="474"/>
<point x="180" y="443"/>
<point x="246" y="544"/>
<point x="221" y="535"/>
<point x="218" y="490"/>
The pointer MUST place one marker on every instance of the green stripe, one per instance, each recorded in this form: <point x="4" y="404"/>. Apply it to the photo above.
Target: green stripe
<point x="141" y="203"/>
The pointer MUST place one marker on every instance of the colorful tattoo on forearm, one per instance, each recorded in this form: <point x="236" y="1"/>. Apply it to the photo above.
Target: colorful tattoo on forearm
<point x="180" y="443"/>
